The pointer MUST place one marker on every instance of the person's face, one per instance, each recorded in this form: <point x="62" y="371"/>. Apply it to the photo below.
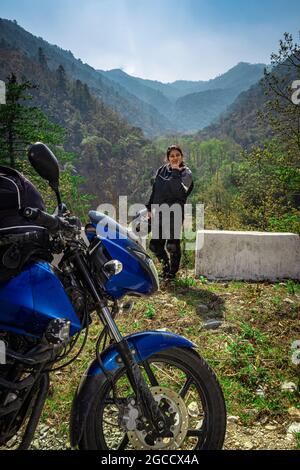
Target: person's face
<point x="175" y="157"/>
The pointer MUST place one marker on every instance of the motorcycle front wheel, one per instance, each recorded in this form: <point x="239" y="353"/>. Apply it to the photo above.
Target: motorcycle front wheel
<point x="184" y="386"/>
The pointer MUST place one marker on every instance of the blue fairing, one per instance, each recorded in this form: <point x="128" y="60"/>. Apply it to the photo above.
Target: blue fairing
<point x="32" y="299"/>
<point x="145" y="344"/>
<point x="120" y="245"/>
<point x="132" y="278"/>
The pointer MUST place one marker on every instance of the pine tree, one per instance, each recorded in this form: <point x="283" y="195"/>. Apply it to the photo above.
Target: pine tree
<point x="282" y="113"/>
<point x="21" y="124"/>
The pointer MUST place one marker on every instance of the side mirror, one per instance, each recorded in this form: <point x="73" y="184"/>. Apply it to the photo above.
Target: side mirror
<point x="45" y="163"/>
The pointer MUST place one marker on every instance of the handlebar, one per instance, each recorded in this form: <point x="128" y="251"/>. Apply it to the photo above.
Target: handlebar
<point x="41" y="218"/>
<point x="53" y="223"/>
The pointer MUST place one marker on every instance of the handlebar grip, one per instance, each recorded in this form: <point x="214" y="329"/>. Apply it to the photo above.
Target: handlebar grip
<point x="41" y="218"/>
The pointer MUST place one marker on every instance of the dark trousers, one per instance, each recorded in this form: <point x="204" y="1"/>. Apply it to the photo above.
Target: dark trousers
<point x="167" y="245"/>
<point x="168" y="252"/>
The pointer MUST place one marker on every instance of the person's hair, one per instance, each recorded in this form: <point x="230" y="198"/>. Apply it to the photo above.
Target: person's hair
<point x="173" y="147"/>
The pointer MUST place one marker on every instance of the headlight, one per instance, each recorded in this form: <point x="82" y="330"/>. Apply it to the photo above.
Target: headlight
<point x="113" y="267"/>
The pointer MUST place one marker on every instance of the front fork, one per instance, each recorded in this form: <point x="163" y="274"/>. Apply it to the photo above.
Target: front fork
<point x="150" y="408"/>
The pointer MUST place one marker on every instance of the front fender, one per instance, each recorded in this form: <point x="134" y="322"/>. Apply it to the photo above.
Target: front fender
<point x="143" y="345"/>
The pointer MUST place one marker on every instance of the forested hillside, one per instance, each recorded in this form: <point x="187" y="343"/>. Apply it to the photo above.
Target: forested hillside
<point x="109" y="152"/>
<point x="243" y="187"/>
<point x="241" y="122"/>
<point x="135" y="111"/>
<point x="191" y="105"/>
<point x="157" y="108"/>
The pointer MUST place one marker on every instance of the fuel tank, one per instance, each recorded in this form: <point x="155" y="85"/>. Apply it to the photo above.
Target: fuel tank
<point x="29" y="301"/>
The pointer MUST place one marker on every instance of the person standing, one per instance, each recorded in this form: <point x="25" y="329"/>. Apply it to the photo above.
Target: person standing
<point x="172" y="185"/>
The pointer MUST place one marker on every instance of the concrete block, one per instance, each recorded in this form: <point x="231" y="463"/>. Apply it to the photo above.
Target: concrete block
<point x="249" y="256"/>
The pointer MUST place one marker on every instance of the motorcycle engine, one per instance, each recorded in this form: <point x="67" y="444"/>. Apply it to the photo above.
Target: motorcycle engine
<point x="74" y="291"/>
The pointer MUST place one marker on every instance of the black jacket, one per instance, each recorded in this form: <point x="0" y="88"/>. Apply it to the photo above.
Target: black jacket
<point x="171" y="186"/>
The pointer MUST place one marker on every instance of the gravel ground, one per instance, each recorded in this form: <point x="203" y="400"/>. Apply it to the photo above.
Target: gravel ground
<point x="261" y="436"/>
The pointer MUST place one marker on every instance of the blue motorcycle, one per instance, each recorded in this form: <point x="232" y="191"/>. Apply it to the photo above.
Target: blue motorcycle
<point x="150" y="390"/>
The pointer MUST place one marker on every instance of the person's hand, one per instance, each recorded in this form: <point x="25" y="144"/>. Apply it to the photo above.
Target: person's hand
<point x="149" y="215"/>
<point x="175" y="166"/>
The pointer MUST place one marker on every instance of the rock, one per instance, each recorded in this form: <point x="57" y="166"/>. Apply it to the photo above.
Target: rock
<point x="202" y="308"/>
<point x="248" y="445"/>
<point x="288" y="387"/>
<point x="270" y="427"/>
<point x="293" y="429"/>
<point x="233" y="419"/>
<point x="294" y="413"/>
<point x="212" y="325"/>
<point x="260" y="392"/>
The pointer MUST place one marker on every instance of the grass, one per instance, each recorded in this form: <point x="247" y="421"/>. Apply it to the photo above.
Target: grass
<point x="292" y="287"/>
<point x="251" y="359"/>
<point x="185" y="282"/>
<point x="297" y="438"/>
<point x="150" y="312"/>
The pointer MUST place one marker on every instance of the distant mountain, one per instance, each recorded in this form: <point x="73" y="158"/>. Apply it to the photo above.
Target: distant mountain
<point x="108" y="150"/>
<point x="157" y="108"/>
<point x="141" y="90"/>
<point x="197" y="110"/>
<point x="138" y="113"/>
<point x="191" y="105"/>
<point x="239" y="77"/>
<point x="240" y="122"/>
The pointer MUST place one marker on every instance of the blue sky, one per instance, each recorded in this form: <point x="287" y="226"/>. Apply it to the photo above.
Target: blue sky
<point x="164" y="40"/>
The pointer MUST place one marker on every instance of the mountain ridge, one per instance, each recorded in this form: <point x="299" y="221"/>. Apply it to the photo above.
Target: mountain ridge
<point x="155" y="107"/>
<point x="136" y="112"/>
